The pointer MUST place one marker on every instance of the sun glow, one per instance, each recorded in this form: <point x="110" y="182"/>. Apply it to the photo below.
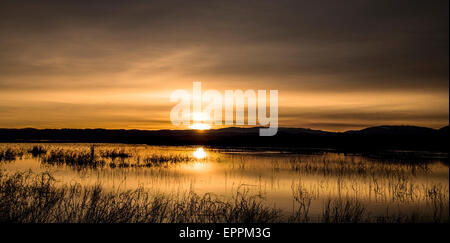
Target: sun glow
<point x="199" y="118"/>
<point x="200" y="153"/>
<point x="200" y="126"/>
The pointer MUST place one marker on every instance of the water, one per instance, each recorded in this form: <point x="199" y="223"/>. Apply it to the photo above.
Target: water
<point x="383" y="185"/>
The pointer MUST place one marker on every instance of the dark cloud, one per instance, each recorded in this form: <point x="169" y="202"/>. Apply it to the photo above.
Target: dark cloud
<point x="374" y="116"/>
<point x="315" y="46"/>
<point x="357" y="44"/>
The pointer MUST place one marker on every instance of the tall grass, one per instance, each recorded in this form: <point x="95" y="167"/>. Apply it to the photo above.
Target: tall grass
<point x="37" y="151"/>
<point x="302" y="201"/>
<point x="38" y="198"/>
<point x="160" y="159"/>
<point x="343" y="211"/>
<point x="7" y="155"/>
<point x="115" y="153"/>
<point x="72" y="158"/>
<point x="343" y="167"/>
<point x="29" y="198"/>
<point x="114" y="158"/>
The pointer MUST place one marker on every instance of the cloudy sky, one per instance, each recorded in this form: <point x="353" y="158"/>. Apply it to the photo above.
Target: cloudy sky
<point x="338" y="65"/>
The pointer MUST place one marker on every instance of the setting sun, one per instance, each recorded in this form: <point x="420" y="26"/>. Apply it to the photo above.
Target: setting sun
<point x="200" y="126"/>
<point x="199" y="118"/>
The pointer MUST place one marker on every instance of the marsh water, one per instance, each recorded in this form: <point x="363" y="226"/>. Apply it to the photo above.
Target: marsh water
<point x="384" y="185"/>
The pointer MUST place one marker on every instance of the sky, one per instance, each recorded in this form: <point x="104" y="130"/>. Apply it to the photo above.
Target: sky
<point x="338" y="65"/>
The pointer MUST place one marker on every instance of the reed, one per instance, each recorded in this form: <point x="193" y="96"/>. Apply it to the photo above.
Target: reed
<point x="115" y="154"/>
<point x="29" y="198"/>
<point x="343" y="211"/>
<point x="37" y="151"/>
<point x="72" y="158"/>
<point x="160" y="159"/>
<point x="8" y="155"/>
<point x="38" y="198"/>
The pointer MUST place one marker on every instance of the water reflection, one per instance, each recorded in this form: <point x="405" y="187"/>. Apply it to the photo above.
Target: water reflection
<point x="196" y="166"/>
<point x="283" y="180"/>
<point x="200" y="153"/>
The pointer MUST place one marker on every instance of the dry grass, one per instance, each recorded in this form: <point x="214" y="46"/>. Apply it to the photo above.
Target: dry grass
<point x="37" y="151"/>
<point x="72" y="158"/>
<point x="97" y="158"/>
<point x="7" y="155"/>
<point x="343" y="211"/>
<point x="342" y="167"/>
<point x="29" y="198"/>
<point x="115" y="154"/>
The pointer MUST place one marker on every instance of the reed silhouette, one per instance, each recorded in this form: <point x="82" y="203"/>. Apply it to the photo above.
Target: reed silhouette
<point x="35" y="198"/>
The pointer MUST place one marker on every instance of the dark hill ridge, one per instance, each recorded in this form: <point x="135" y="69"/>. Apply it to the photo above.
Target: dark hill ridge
<point x="395" y="130"/>
<point x="372" y="138"/>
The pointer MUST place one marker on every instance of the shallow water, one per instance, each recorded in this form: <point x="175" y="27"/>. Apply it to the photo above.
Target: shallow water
<point x="384" y="186"/>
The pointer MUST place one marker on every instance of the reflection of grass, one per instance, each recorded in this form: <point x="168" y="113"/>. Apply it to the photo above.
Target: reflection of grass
<point x="26" y="197"/>
<point x="343" y="167"/>
<point x="160" y="159"/>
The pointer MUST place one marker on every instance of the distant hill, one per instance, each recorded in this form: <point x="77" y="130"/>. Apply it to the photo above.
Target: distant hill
<point x="372" y="138"/>
<point x="444" y="130"/>
<point x="395" y="130"/>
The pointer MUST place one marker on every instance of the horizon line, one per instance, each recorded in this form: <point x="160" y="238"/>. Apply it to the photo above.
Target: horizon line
<point x="215" y="129"/>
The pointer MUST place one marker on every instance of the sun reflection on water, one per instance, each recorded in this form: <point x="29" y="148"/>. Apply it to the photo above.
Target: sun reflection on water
<point x="200" y="153"/>
<point x="197" y="166"/>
